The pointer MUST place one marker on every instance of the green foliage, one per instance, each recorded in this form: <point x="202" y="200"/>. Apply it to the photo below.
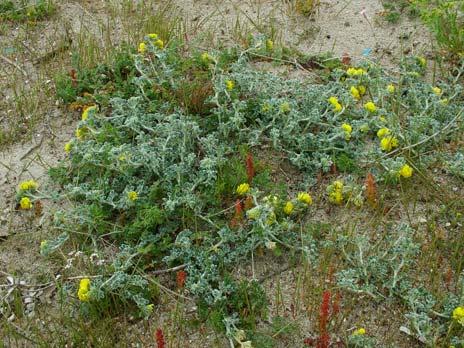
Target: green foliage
<point x="395" y="8"/>
<point x="25" y="11"/>
<point x="377" y="269"/>
<point x="99" y="83"/>
<point x="445" y="19"/>
<point x="157" y="172"/>
<point x="345" y="164"/>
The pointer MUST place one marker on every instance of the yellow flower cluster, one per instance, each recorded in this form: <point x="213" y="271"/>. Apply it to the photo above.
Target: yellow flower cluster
<point x="336" y="192"/>
<point x="388" y="143"/>
<point x="383" y="132"/>
<point x="422" y="61"/>
<point x="370" y="106"/>
<point x="159" y="43"/>
<point x="359" y="332"/>
<point x="458" y="315"/>
<point x="67" y="147"/>
<point x="391" y="89"/>
<point x="347" y="129"/>
<point x="230" y="85"/>
<point x="243" y="189"/>
<point x="355" y="93"/>
<point x="80" y="133"/>
<point x="436" y="90"/>
<point x="28" y="185"/>
<point x="337" y="107"/>
<point x="25" y="203"/>
<point x="84" y="289"/>
<point x="305" y="198"/>
<point x="355" y="72"/>
<point x="206" y="58"/>
<point x="142" y="47"/>
<point x="85" y="113"/>
<point x="132" y="196"/>
<point x="149" y="308"/>
<point x="405" y="171"/>
<point x="156" y="41"/>
<point x="288" y="208"/>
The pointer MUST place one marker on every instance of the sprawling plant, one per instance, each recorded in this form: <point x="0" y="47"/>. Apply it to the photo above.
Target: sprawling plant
<point x="163" y="176"/>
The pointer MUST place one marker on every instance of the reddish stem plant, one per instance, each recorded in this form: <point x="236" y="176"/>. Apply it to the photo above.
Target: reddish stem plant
<point x="159" y="337"/>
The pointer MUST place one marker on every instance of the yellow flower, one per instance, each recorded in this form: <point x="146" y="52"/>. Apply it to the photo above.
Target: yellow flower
<point x="206" y="58"/>
<point x="67" y="147"/>
<point x="355" y="93"/>
<point x="149" y="308"/>
<point x="370" y="106"/>
<point x="359" y="332"/>
<point x="406" y="171"/>
<point x="230" y="85"/>
<point x="436" y="90"/>
<point x="351" y="71"/>
<point x="422" y="61"/>
<point x="388" y="143"/>
<point x="458" y="315"/>
<point x="444" y="101"/>
<point x="382" y="119"/>
<point x="142" y="47"/>
<point x="305" y="197"/>
<point x="85" y="114"/>
<point x="153" y="36"/>
<point x="288" y="208"/>
<point x="391" y="89"/>
<point x="28" y="185"/>
<point x="132" y="195"/>
<point x="80" y="132"/>
<point x="347" y="129"/>
<point x="338" y="185"/>
<point x="285" y="107"/>
<point x="336" y="197"/>
<point x="383" y="132"/>
<point x="84" y="288"/>
<point x="159" y="43"/>
<point x="335" y="103"/>
<point x="243" y="189"/>
<point x="25" y="203"/>
<point x="362" y="89"/>
<point x="269" y="45"/>
<point x="355" y="72"/>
